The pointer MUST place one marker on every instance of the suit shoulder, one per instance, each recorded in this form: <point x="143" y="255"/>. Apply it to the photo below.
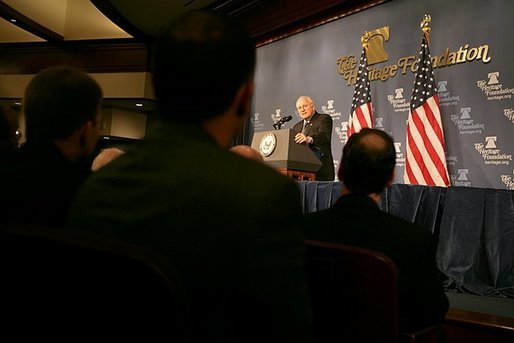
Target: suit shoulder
<point x="408" y="228"/>
<point x="254" y="171"/>
<point x="325" y="116"/>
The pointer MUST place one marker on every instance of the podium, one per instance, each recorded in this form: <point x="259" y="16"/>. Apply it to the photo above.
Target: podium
<point x="280" y="152"/>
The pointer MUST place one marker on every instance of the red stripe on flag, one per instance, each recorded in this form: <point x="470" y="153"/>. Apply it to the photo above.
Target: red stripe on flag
<point x="435" y="157"/>
<point x="419" y="155"/>
<point x="410" y="175"/>
<point x="361" y="116"/>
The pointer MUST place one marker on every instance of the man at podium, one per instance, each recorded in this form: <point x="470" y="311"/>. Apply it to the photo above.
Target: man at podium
<point x="315" y="130"/>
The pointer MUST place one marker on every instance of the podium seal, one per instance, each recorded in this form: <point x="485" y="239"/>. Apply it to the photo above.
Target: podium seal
<point x="267" y="144"/>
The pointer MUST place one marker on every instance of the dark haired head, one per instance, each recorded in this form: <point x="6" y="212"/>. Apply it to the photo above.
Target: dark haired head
<point x="368" y="161"/>
<point x="201" y="60"/>
<point x="58" y="101"/>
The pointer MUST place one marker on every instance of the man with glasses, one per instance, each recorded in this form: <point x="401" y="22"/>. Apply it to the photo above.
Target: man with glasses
<point x="62" y="114"/>
<point x="315" y="130"/>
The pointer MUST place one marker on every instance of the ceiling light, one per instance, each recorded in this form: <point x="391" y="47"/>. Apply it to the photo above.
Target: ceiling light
<point x="13" y="20"/>
<point x="139" y="104"/>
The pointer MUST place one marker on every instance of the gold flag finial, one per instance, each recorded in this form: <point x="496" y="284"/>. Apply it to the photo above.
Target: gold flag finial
<point x="425" y="24"/>
<point x="364" y="39"/>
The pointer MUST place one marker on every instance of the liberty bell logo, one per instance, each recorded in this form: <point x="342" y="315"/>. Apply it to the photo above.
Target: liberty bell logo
<point x="490" y="142"/>
<point x="464" y="113"/>
<point x="493" y="78"/>
<point x="376" y="52"/>
<point x="463" y="174"/>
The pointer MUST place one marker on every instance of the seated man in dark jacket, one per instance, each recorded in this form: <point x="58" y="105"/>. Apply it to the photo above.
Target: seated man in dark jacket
<point x="367" y="167"/>
<point x="62" y="115"/>
<point x="227" y="223"/>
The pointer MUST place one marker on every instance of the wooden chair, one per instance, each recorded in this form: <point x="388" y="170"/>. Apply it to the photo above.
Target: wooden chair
<point x="354" y="295"/>
<point x="64" y="286"/>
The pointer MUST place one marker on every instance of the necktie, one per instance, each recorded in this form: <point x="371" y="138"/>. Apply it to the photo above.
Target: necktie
<point x="305" y="123"/>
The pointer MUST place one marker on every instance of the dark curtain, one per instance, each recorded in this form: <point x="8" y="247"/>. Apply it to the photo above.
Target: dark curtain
<point x="474" y="228"/>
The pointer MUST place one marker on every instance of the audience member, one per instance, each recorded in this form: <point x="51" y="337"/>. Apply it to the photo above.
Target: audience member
<point x="62" y="109"/>
<point x="247" y="152"/>
<point x="367" y="168"/>
<point x="9" y="131"/>
<point x="315" y="130"/>
<point x="228" y="224"/>
<point x="104" y="157"/>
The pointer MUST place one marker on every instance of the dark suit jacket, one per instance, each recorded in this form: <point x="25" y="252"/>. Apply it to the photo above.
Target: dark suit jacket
<point x="358" y="221"/>
<point x="227" y="223"/>
<point x="320" y="129"/>
<point x="38" y="185"/>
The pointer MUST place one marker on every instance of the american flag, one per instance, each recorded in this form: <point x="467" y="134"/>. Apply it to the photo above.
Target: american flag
<point x="361" y="114"/>
<point x="425" y="162"/>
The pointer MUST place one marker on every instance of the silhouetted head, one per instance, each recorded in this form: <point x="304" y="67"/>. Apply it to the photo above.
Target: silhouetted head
<point x="58" y="101"/>
<point x="247" y="152"/>
<point x="368" y="161"/>
<point x="201" y="61"/>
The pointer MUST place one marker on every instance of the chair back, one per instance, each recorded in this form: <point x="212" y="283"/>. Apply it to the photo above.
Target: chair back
<point x="66" y="286"/>
<point x="354" y="293"/>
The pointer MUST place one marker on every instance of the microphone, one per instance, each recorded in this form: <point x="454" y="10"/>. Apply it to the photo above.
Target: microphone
<point x="285" y="119"/>
<point x="281" y="121"/>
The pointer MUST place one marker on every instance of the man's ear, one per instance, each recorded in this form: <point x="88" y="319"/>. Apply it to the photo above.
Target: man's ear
<point x="245" y="95"/>
<point x="83" y="132"/>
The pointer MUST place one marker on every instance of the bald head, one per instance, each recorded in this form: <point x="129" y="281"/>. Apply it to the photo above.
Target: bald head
<point x="247" y="152"/>
<point x="368" y="162"/>
<point x="105" y="157"/>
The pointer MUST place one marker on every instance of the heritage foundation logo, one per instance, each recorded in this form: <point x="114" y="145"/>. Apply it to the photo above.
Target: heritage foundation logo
<point x="379" y="123"/>
<point x="493" y="89"/>
<point x="276" y="116"/>
<point x="257" y="124"/>
<point x="493" y="78"/>
<point x="461" y="179"/>
<point x="451" y="160"/>
<point x="397" y="100"/>
<point x="342" y="132"/>
<point x="509" y="113"/>
<point x="463" y="174"/>
<point x="465" y="123"/>
<point x="400" y="158"/>
<point x="347" y="65"/>
<point x="330" y="110"/>
<point x="445" y="97"/>
<point x="508" y="180"/>
<point x="490" y="152"/>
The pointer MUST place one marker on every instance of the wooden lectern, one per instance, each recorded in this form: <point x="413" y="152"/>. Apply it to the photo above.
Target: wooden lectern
<point x="280" y="152"/>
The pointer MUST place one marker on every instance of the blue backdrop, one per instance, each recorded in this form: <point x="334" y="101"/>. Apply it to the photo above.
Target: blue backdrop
<point x="474" y="71"/>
